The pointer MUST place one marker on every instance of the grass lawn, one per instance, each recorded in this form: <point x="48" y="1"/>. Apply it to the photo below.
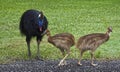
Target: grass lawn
<point x="78" y="17"/>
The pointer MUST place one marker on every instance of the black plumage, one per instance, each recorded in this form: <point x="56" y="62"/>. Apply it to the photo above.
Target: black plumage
<point x="33" y="23"/>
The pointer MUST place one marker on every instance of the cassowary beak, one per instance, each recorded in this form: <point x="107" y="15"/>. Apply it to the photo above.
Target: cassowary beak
<point x="44" y="32"/>
<point x="40" y="28"/>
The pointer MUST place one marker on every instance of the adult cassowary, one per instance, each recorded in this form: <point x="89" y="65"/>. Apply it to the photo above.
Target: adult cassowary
<point x="33" y="24"/>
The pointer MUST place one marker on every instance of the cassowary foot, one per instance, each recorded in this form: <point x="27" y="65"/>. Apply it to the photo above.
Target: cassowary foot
<point x="61" y="63"/>
<point x="65" y="63"/>
<point x="79" y="64"/>
<point x="94" y="64"/>
<point x="39" y="58"/>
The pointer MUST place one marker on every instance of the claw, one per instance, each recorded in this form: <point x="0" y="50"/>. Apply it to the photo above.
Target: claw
<point x="94" y="64"/>
<point x="65" y="63"/>
<point x="61" y="63"/>
<point x="79" y="64"/>
<point x="38" y="58"/>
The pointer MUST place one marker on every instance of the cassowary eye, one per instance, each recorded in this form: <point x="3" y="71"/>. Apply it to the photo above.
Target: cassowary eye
<point x="39" y="15"/>
<point x="110" y="29"/>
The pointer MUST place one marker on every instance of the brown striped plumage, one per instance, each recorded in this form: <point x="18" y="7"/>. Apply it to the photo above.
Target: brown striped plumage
<point x="63" y="41"/>
<point x="91" y="42"/>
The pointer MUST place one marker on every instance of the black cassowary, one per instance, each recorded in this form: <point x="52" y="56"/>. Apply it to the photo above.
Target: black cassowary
<point x="33" y="24"/>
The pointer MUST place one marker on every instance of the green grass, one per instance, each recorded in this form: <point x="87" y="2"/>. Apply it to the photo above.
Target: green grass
<point x="78" y="17"/>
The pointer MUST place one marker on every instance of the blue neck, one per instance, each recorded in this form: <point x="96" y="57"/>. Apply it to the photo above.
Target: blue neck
<point x="40" y="22"/>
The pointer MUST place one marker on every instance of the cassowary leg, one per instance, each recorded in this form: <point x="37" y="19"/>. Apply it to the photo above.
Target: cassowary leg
<point x="92" y="58"/>
<point x="81" y="54"/>
<point x="63" y="52"/>
<point x="28" y="45"/>
<point x="38" y="50"/>
<point x="63" y="60"/>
